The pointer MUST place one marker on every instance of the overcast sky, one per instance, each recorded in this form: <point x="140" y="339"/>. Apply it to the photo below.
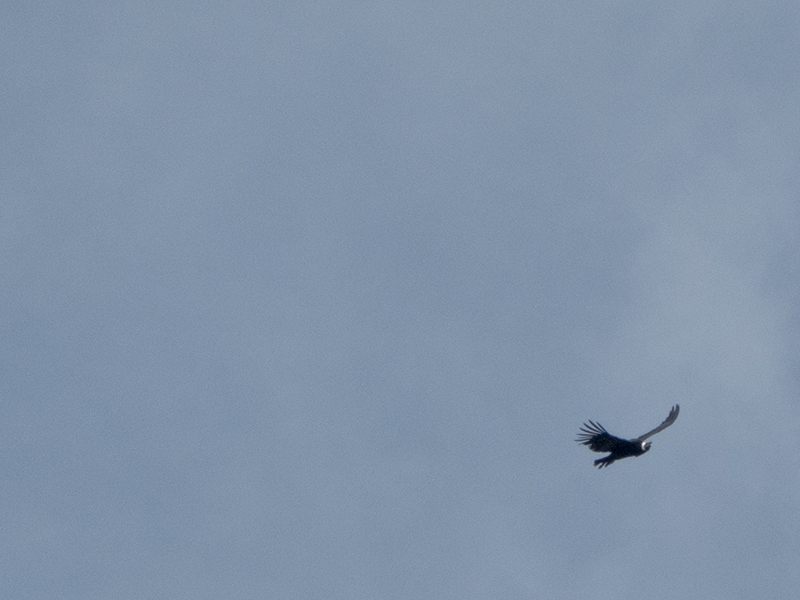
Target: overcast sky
<point x="307" y="300"/>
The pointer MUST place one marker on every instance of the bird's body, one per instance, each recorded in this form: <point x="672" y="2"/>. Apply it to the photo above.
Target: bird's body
<point x="597" y="439"/>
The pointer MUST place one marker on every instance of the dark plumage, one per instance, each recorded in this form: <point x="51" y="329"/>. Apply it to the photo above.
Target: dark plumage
<point x="598" y="439"/>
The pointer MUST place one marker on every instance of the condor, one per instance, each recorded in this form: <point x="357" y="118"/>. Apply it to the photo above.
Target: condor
<point x="598" y="439"/>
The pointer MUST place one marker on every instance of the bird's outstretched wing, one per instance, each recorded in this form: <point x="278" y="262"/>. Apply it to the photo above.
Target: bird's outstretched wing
<point x="673" y="414"/>
<point x="598" y="439"/>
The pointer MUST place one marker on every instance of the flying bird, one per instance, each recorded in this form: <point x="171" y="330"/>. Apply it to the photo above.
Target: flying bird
<point x="598" y="439"/>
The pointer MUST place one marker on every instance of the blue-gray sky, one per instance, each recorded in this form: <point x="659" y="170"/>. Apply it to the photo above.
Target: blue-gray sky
<point x="308" y="299"/>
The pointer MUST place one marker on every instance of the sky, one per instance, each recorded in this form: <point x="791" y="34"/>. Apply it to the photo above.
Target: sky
<point x="308" y="300"/>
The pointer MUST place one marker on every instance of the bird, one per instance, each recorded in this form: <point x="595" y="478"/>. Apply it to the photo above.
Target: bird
<point x="598" y="439"/>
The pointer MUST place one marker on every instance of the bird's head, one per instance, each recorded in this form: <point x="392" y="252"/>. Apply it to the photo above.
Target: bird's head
<point x="646" y="446"/>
